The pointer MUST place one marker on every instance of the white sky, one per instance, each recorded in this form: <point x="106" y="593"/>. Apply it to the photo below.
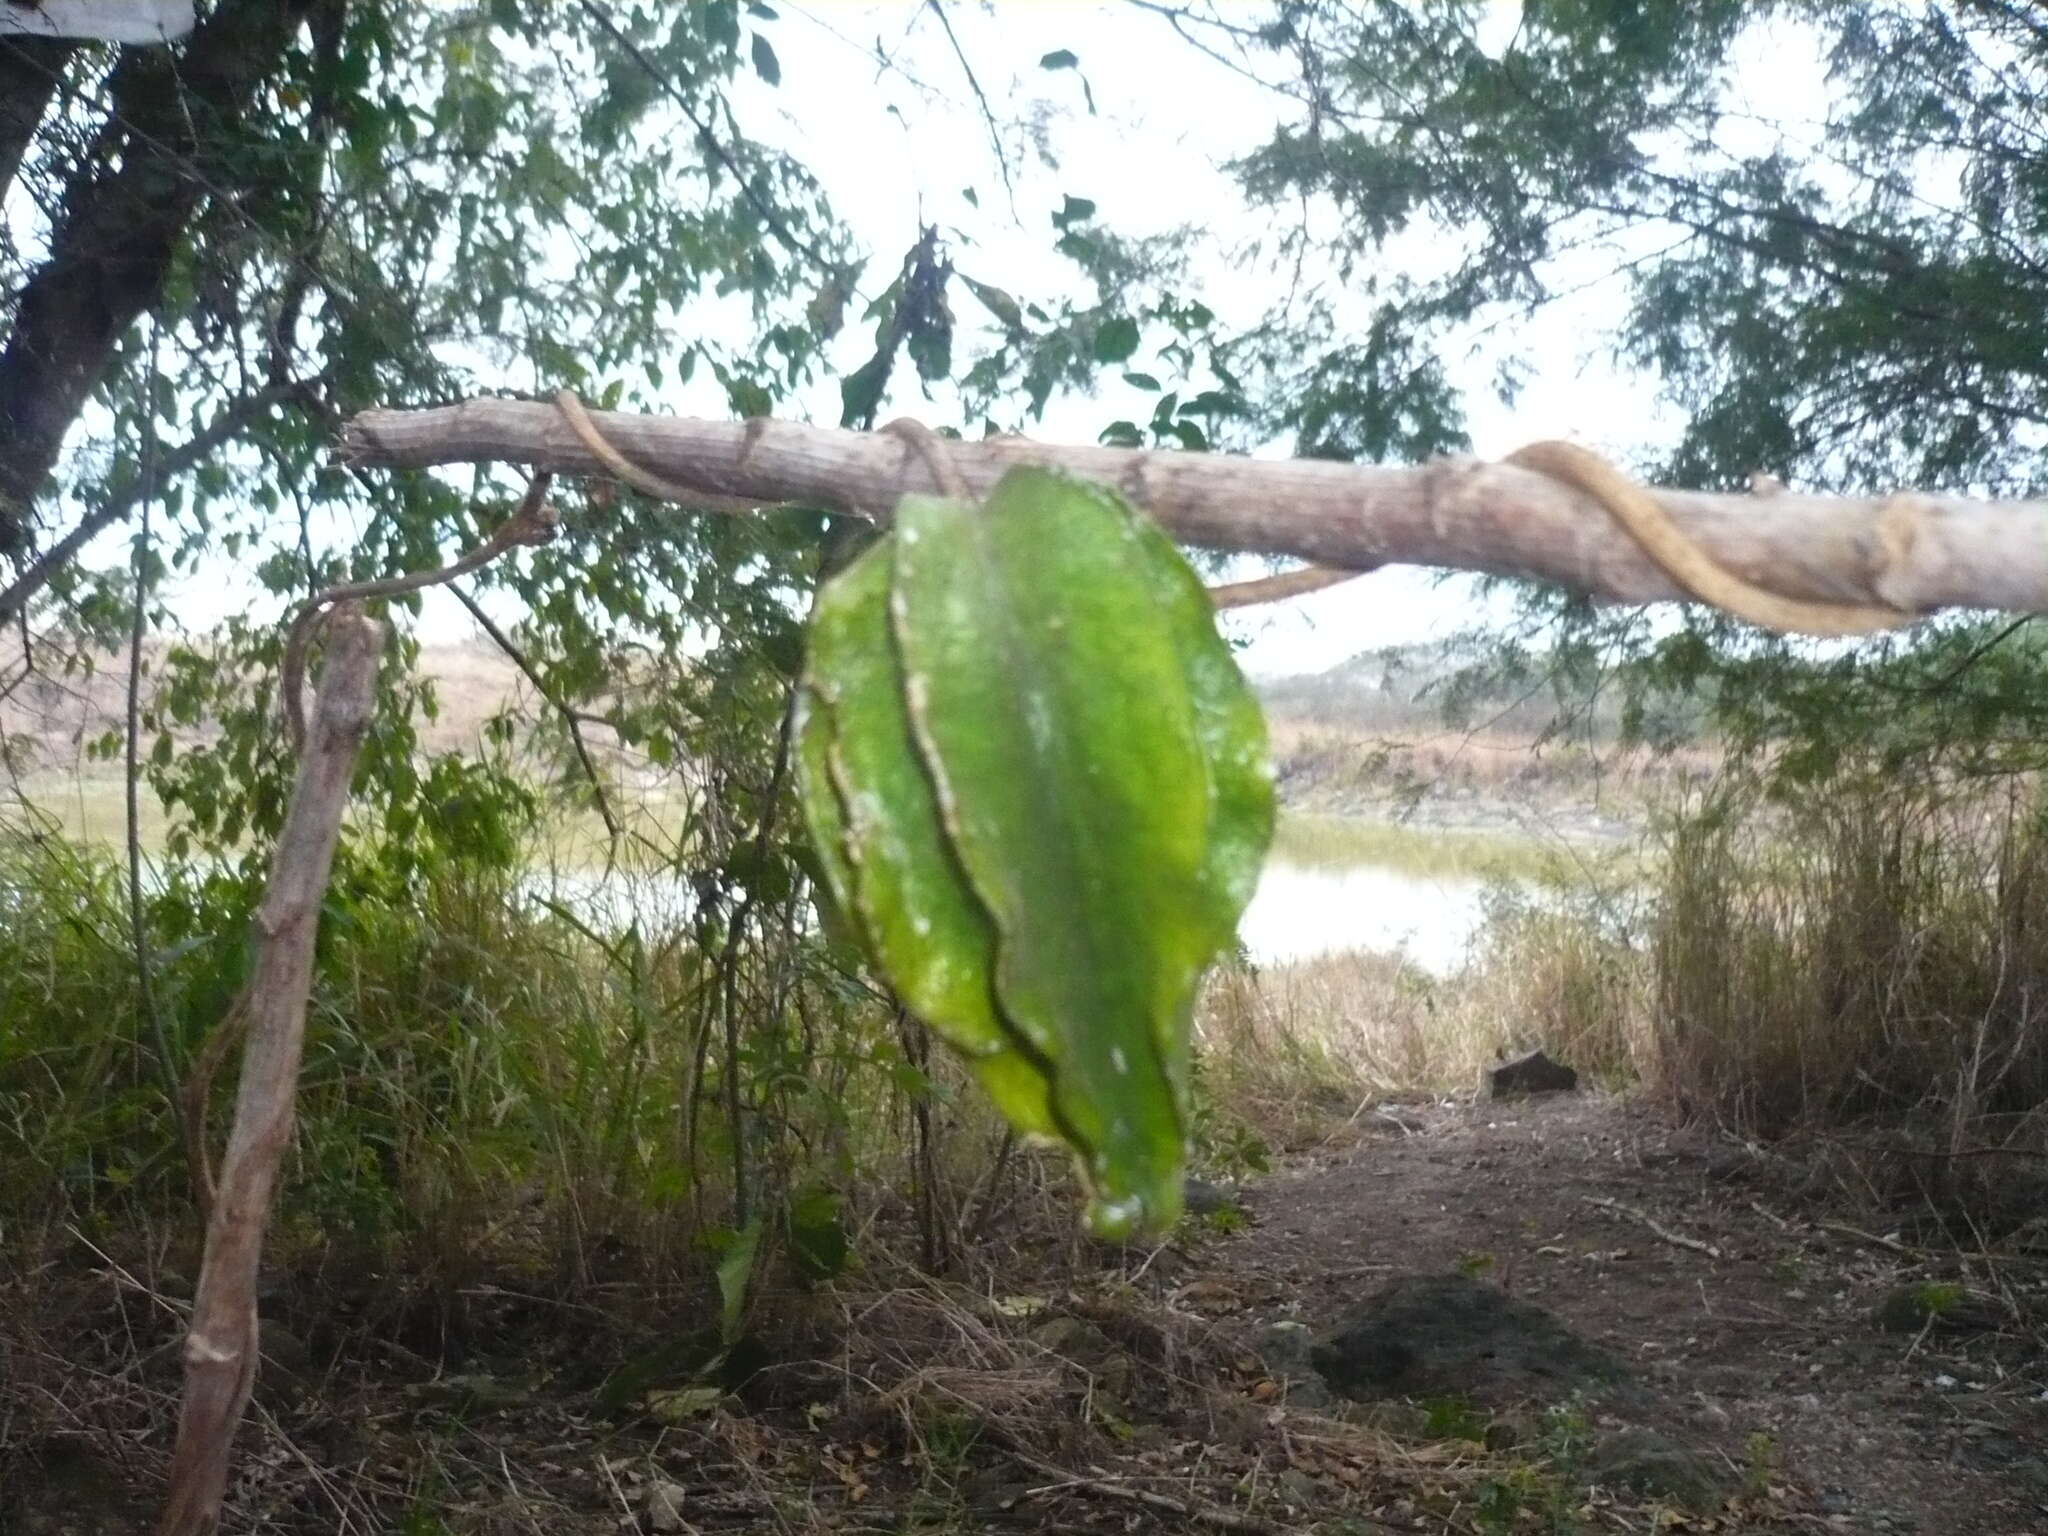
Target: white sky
<point x="895" y="148"/>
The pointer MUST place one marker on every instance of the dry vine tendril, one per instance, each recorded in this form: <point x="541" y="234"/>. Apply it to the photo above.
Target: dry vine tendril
<point x="535" y="522"/>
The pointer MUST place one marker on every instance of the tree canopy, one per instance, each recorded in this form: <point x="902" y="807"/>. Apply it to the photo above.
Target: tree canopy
<point x="219" y="249"/>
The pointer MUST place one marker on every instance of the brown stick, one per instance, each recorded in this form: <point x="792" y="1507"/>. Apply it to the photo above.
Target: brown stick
<point x="221" y="1344"/>
<point x="1909" y="551"/>
<point x="532" y="523"/>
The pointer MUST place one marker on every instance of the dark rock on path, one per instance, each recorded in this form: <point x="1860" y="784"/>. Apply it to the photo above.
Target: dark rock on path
<point x="1435" y="1335"/>
<point x="1531" y="1072"/>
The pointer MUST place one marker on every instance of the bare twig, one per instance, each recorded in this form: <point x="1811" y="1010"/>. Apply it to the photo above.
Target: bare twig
<point x="613" y="827"/>
<point x="138" y="628"/>
<point x="533" y="523"/>
<point x="1279" y="587"/>
<point x="1186" y="1509"/>
<point x="1662" y="1233"/>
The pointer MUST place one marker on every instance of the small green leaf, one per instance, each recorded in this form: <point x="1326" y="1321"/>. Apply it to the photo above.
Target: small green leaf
<point x="1141" y="381"/>
<point x="1117" y="340"/>
<point x="735" y="1275"/>
<point x="996" y="301"/>
<point x="1059" y="58"/>
<point x="766" y="65"/>
<point x="679" y="1405"/>
<point x="1074" y="210"/>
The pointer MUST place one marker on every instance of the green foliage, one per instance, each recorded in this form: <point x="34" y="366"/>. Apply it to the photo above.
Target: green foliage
<point x="1034" y="775"/>
<point x="1847" y="292"/>
<point x="490" y="1079"/>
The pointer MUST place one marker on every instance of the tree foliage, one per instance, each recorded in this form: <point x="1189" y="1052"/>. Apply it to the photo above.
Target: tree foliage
<point x="1827" y="221"/>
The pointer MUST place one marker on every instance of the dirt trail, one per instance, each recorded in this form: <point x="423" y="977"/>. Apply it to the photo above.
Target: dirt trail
<point x="1743" y="1308"/>
<point x="1125" y="1391"/>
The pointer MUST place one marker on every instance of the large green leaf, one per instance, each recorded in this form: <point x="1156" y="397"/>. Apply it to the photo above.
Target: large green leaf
<point x="1035" y="774"/>
<point x="878" y="833"/>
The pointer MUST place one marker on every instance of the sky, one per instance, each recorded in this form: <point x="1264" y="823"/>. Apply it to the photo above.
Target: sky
<point x="896" y="147"/>
<point x="1153" y="156"/>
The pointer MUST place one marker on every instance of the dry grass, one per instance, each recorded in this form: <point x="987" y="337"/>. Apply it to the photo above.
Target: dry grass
<point x="1873" y="966"/>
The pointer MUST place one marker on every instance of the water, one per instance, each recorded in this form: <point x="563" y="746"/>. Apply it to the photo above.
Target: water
<point x="1301" y="910"/>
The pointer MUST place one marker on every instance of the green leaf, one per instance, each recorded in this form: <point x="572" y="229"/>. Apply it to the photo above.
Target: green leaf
<point x="818" y="1243"/>
<point x="735" y="1274"/>
<point x="996" y="301"/>
<point x="1059" y="58"/>
<point x="766" y="65"/>
<point x="1141" y="381"/>
<point x="1032" y="769"/>
<point x="876" y="829"/>
<point x="1117" y="340"/>
<point x="1074" y="210"/>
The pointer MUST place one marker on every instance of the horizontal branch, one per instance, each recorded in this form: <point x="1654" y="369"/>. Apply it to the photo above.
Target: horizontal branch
<point x="1905" y="551"/>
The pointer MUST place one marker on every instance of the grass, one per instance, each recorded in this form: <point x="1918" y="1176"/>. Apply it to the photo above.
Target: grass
<point x="515" y="1154"/>
<point x="1341" y="842"/>
<point x="1331" y="766"/>
<point x="1870" y="965"/>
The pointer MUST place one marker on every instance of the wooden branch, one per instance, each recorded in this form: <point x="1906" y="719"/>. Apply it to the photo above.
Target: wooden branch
<point x="221" y="1344"/>
<point x="1907" y="551"/>
<point x="1663" y="1234"/>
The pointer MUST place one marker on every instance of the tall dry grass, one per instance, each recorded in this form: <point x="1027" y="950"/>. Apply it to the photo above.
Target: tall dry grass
<point x="1286" y="1047"/>
<point x="1878" y="958"/>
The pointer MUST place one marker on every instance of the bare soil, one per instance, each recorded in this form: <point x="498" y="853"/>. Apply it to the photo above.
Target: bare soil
<point x="1742" y="1294"/>
<point x="1065" y="1389"/>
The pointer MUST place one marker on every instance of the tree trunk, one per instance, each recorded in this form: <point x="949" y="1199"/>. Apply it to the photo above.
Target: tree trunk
<point x="172" y="137"/>
<point x="30" y="68"/>
<point x="221" y="1344"/>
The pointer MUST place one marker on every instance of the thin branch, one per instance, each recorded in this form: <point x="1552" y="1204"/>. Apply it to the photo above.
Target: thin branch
<point x="1663" y="1234"/>
<point x="613" y="827"/>
<point x="533" y="523"/>
<point x="708" y="140"/>
<point x="988" y="114"/>
<point x="15" y="597"/>
<point x="138" y="627"/>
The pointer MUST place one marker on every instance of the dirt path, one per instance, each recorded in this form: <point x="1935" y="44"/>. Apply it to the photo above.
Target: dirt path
<point x="1744" y="1310"/>
<point x="1137" y="1391"/>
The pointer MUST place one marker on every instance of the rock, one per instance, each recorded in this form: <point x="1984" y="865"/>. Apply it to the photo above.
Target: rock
<point x="1440" y="1335"/>
<point x="1284" y="1349"/>
<point x="1531" y="1072"/>
<point x="1657" y="1467"/>
<point x="665" y="1505"/>
<point x="1201" y="1198"/>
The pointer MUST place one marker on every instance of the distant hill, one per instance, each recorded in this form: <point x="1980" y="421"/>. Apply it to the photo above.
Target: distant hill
<point x="47" y="717"/>
<point x="1419" y="687"/>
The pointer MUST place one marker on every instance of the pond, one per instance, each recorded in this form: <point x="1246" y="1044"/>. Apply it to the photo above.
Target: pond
<point x="1302" y="910"/>
<point x="1331" y="883"/>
